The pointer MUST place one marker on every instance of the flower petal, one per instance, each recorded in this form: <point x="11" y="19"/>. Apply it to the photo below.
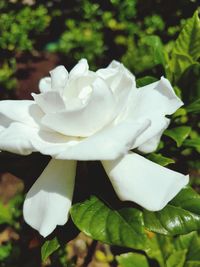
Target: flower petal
<point x="120" y="80"/>
<point x="148" y="184"/>
<point x="49" y="102"/>
<point x="52" y="143"/>
<point x="118" y="77"/>
<point x="25" y="111"/>
<point x="16" y="139"/>
<point x="81" y="68"/>
<point x="153" y="102"/>
<point x="59" y="78"/>
<point x="89" y="117"/>
<point x="152" y="143"/>
<point x="108" y="144"/>
<point x="148" y="141"/>
<point x="48" y="201"/>
<point x="45" y="84"/>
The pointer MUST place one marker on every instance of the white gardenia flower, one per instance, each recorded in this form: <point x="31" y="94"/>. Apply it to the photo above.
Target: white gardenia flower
<point x="85" y="115"/>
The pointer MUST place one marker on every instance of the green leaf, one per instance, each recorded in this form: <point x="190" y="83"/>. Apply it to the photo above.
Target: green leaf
<point x="192" y="264"/>
<point x="160" y="247"/>
<point x="179" y="63"/>
<point x="194" y="249"/>
<point x="194" y="143"/>
<point x="194" y="107"/>
<point x="181" y="216"/>
<point x="187" y="199"/>
<point x="188" y="40"/>
<point x="5" y="214"/>
<point x="132" y="259"/>
<point x="5" y="251"/>
<point x="145" y="81"/>
<point x="171" y="221"/>
<point x="176" y="259"/>
<point x="178" y="134"/>
<point x="156" y="45"/>
<point x="123" y="228"/>
<point x="184" y="241"/>
<point x="160" y="159"/>
<point x="189" y="83"/>
<point x="185" y="51"/>
<point x="48" y="248"/>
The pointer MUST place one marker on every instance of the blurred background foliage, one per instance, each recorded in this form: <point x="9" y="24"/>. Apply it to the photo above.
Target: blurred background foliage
<point x="126" y="30"/>
<point x="152" y="38"/>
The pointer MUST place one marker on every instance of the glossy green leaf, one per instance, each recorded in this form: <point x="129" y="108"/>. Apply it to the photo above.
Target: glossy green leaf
<point x="177" y="259"/>
<point x="189" y="39"/>
<point x="171" y="221"/>
<point x="48" y="248"/>
<point x="132" y="260"/>
<point x="145" y="81"/>
<point x="181" y="216"/>
<point x="123" y="228"/>
<point x="160" y="159"/>
<point x="194" y="107"/>
<point x="178" y="134"/>
<point x="187" y="199"/>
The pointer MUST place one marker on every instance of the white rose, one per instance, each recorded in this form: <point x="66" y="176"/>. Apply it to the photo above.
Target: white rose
<point x="85" y="115"/>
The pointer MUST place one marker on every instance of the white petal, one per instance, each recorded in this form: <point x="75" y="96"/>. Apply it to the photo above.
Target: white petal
<point x="151" y="144"/>
<point x="81" y="68"/>
<point x="88" y="118"/>
<point x="48" y="202"/>
<point x="148" y="141"/>
<point x="22" y="139"/>
<point x="16" y="139"/>
<point x="117" y="76"/>
<point x="49" y="102"/>
<point x="59" y="77"/>
<point x="109" y="143"/>
<point x="153" y="102"/>
<point x="148" y="184"/>
<point x="158" y="96"/>
<point x="25" y="111"/>
<point x="45" y="84"/>
<point x="52" y="143"/>
<point x="120" y="80"/>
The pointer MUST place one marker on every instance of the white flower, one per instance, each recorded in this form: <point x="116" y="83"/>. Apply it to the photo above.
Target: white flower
<point x="85" y="115"/>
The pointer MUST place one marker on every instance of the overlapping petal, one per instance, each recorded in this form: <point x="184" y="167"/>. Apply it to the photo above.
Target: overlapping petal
<point x="17" y="139"/>
<point x="49" y="102"/>
<point x="88" y="118"/>
<point x="153" y="101"/>
<point x="108" y="144"/>
<point x="48" y="201"/>
<point x="45" y="84"/>
<point x="118" y="77"/>
<point x="120" y="81"/>
<point x="24" y="111"/>
<point x="59" y="78"/>
<point x="81" y="68"/>
<point x="148" y="184"/>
